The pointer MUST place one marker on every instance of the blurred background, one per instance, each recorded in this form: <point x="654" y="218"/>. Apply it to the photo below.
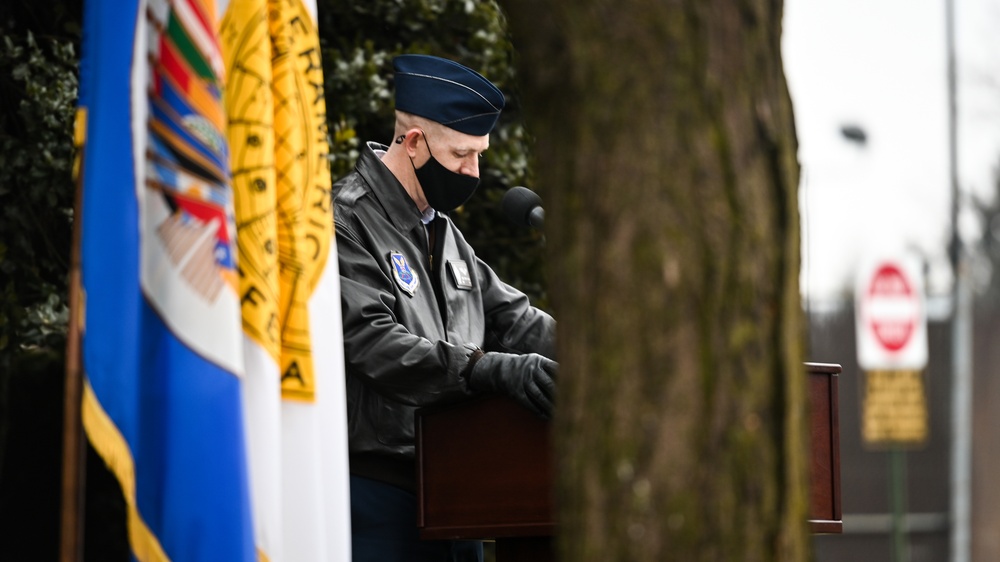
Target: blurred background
<point x="897" y="120"/>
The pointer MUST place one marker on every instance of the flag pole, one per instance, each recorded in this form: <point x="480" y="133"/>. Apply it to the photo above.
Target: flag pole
<point x="73" y="469"/>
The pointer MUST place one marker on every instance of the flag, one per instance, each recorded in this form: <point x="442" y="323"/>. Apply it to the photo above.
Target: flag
<point x="289" y="283"/>
<point x="161" y="333"/>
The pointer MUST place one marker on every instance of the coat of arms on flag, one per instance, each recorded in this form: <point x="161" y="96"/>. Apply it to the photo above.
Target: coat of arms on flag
<point x="176" y="387"/>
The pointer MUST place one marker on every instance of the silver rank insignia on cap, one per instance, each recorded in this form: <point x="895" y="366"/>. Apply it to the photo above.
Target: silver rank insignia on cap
<point x="405" y="278"/>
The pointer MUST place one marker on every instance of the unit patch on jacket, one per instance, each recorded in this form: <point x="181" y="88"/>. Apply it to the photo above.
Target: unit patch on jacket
<point x="405" y="278"/>
<point x="460" y="273"/>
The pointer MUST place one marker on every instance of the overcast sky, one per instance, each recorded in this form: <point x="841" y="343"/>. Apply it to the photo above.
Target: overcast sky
<point x="881" y="65"/>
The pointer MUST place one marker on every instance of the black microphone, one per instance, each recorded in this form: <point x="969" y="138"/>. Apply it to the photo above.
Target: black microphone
<point x="523" y="207"/>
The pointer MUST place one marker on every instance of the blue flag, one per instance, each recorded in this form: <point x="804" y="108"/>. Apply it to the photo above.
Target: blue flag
<point x="162" y="335"/>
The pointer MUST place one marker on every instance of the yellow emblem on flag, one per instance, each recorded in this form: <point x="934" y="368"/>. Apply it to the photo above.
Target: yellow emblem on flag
<point x="246" y="46"/>
<point x="280" y="178"/>
<point x="305" y="210"/>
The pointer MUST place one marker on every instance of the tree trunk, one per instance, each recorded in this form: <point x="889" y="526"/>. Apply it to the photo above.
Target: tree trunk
<point x="666" y="156"/>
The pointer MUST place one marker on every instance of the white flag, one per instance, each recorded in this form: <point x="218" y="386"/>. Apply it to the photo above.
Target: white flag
<point x="289" y="283"/>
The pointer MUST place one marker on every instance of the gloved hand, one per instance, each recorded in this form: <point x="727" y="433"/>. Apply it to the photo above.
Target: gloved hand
<point x="529" y="379"/>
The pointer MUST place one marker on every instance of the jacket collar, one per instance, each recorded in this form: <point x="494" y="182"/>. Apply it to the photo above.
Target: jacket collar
<point x="388" y="191"/>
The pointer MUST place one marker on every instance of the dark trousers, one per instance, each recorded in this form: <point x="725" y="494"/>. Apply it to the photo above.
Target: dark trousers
<point x="384" y="528"/>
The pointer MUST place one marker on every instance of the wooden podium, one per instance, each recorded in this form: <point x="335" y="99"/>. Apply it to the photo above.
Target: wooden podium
<point x="824" y="445"/>
<point x="484" y="471"/>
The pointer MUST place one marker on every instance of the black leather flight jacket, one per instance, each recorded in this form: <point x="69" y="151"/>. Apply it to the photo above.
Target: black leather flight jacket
<point x="410" y="325"/>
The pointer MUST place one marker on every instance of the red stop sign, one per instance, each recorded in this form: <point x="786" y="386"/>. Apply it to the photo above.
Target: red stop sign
<point x="893" y="308"/>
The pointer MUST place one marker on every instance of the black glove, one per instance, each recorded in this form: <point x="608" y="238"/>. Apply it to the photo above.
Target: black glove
<point x="529" y="379"/>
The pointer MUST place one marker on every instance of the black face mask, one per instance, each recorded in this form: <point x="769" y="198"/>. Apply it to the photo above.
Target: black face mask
<point x="445" y="190"/>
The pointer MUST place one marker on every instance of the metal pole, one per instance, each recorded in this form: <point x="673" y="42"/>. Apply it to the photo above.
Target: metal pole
<point x="897" y="485"/>
<point x="961" y="341"/>
<point x="961" y="457"/>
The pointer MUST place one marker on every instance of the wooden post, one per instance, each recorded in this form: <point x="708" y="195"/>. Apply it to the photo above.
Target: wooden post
<point x="73" y="472"/>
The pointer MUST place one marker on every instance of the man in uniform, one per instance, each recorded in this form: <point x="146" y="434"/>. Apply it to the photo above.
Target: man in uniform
<point x="425" y="321"/>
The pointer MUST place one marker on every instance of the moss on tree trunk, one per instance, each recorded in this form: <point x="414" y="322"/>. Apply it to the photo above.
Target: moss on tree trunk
<point x="665" y="153"/>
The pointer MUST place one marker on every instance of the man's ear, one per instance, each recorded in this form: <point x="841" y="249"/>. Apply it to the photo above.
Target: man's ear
<point x="410" y="141"/>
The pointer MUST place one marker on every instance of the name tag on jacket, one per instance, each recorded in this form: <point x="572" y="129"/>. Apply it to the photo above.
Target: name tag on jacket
<point x="460" y="274"/>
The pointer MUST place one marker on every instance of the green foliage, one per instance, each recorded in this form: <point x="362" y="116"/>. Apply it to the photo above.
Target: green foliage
<point x="38" y="89"/>
<point x="359" y="42"/>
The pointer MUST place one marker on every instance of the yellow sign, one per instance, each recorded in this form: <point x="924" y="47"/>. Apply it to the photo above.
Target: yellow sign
<point x="894" y="408"/>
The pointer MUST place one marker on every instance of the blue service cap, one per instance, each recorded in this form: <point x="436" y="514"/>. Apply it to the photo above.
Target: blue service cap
<point x="447" y="93"/>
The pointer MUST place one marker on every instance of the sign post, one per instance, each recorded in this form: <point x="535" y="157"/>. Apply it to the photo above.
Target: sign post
<point x="891" y="329"/>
